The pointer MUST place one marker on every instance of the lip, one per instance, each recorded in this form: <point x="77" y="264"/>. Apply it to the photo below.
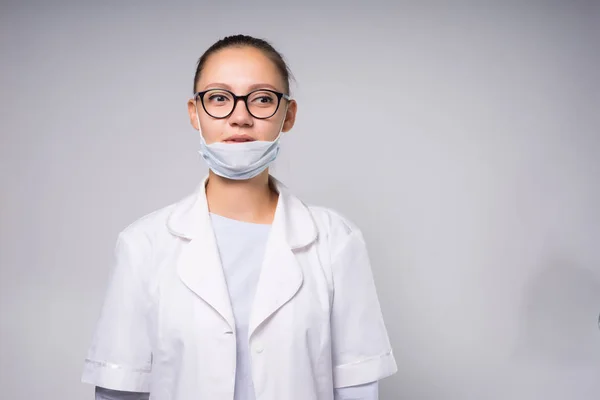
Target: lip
<point x="239" y="139"/>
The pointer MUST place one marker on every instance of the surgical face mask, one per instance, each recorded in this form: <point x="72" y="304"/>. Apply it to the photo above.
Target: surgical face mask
<point x="239" y="161"/>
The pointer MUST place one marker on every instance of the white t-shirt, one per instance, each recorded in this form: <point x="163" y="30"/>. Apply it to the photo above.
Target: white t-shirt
<point x="241" y="249"/>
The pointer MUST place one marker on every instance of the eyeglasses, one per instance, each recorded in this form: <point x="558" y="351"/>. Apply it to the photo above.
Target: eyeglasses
<point x="260" y="103"/>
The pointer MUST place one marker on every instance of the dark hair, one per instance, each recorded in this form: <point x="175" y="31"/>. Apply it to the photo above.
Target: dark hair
<point x="247" y="41"/>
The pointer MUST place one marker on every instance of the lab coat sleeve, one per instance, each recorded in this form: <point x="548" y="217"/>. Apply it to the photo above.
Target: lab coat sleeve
<point x="120" y="356"/>
<point x="360" y="345"/>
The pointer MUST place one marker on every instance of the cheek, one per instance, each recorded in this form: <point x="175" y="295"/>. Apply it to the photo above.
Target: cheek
<point x="211" y="129"/>
<point x="267" y="130"/>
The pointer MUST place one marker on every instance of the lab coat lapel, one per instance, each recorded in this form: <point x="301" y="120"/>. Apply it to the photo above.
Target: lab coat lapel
<point x="280" y="279"/>
<point x="199" y="264"/>
<point x="200" y="270"/>
<point x="281" y="275"/>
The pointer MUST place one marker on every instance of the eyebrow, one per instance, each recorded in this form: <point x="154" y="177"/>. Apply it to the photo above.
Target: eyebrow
<point x="217" y="85"/>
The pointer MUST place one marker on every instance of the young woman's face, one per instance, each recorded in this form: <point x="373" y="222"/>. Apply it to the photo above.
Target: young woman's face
<point x="241" y="70"/>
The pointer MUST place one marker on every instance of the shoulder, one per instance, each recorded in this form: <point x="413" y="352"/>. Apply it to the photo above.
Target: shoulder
<point x="148" y="230"/>
<point x="333" y="227"/>
<point x="331" y="220"/>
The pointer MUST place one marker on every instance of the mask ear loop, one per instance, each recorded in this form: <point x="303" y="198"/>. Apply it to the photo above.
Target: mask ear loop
<point x="282" y="123"/>
<point x="198" y="122"/>
<point x="273" y="167"/>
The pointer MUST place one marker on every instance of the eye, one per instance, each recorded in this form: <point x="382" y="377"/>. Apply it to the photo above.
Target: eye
<point x="217" y="97"/>
<point x="263" y="98"/>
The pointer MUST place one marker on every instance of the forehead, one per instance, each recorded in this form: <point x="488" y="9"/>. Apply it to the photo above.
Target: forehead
<point x="240" y="68"/>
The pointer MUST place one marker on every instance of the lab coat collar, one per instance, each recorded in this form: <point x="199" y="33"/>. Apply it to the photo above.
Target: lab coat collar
<point x="281" y="277"/>
<point x="291" y="215"/>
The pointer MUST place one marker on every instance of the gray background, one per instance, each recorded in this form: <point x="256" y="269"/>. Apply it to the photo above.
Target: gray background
<point x="461" y="137"/>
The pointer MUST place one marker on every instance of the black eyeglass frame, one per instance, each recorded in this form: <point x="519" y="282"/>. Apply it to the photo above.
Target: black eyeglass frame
<point x="245" y="97"/>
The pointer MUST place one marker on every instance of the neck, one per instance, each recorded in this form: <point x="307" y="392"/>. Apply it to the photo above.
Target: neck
<point x="251" y="200"/>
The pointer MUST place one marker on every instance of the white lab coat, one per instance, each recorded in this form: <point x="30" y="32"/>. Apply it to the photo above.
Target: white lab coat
<point x="167" y="326"/>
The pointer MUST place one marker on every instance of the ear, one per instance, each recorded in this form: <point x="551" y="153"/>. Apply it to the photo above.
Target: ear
<point x="290" y="116"/>
<point x="192" y="113"/>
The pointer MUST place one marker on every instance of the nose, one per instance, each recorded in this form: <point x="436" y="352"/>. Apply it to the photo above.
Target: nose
<point x="240" y="115"/>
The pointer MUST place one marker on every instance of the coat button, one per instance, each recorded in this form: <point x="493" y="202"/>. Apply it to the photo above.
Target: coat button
<point x="258" y="349"/>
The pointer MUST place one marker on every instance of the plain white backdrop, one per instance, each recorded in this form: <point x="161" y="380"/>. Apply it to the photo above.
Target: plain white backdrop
<point x="463" y="138"/>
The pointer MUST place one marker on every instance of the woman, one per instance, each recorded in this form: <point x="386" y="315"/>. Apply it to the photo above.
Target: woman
<point x="240" y="291"/>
